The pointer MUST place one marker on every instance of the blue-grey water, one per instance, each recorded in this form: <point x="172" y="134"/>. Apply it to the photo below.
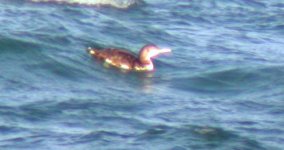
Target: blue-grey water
<point x="222" y="88"/>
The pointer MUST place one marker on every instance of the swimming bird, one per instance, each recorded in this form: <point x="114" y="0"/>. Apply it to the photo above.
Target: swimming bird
<point x="128" y="61"/>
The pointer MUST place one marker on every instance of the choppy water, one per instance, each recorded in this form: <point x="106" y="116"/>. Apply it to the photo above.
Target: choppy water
<point x="222" y="88"/>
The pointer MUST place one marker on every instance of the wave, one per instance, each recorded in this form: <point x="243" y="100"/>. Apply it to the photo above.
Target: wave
<point x="198" y="137"/>
<point x="32" y="60"/>
<point x="122" y="4"/>
<point x="232" y="80"/>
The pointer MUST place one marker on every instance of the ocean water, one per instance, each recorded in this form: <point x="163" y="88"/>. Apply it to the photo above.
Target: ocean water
<point x="222" y="88"/>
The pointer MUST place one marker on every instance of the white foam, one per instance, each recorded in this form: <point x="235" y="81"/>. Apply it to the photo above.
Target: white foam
<point x="114" y="3"/>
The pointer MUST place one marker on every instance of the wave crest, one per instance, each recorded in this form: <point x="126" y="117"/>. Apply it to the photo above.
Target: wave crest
<point x="123" y="4"/>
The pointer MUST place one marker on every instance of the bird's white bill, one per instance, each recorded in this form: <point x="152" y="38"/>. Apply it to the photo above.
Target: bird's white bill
<point x="165" y="50"/>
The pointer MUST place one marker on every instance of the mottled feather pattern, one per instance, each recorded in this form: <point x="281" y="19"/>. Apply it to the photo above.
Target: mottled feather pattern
<point x="116" y="57"/>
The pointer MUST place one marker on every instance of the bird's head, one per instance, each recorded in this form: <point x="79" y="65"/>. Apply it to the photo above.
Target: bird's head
<point x="151" y="51"/>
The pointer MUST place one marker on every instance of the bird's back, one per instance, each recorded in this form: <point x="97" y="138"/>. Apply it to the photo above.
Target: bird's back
<point x="115" y="57"/>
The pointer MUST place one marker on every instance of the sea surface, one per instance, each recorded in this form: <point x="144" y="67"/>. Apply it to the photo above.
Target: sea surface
<point x="222" y="87"/>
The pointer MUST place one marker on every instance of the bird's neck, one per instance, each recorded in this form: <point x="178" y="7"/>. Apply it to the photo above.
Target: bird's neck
<point x="145" y="66"/>
<point x="145" y="62"/>
<point x="149" y="66"/>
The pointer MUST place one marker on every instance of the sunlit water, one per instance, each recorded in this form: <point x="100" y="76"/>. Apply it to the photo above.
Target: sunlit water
<point x="221" y="88"/>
